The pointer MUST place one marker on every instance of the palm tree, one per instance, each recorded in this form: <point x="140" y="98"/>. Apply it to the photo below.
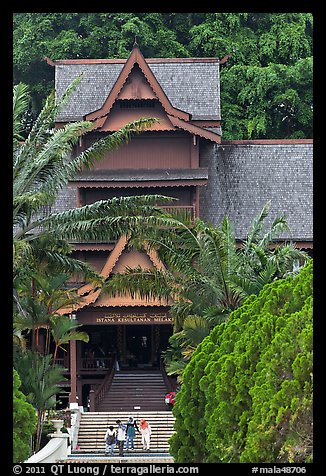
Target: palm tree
<point x="40" y="383"/>
<point x="41" y="297"/>
<point x="63" y="330"/>
<point x="43" y="164"/>
<point x="208" y="274"/>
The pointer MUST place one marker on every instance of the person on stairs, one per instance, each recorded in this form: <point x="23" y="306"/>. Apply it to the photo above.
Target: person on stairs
<point x="110" y="440"/>
<point x="130" y="432"/>
<point x="121" y="436"/>
<point x="145" y="430"/>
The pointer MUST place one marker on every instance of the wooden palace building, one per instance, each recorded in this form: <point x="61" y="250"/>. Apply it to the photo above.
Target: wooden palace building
<point x="182" y="156"/>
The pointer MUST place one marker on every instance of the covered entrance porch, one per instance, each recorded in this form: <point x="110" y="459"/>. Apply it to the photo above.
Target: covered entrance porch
<point x="133" y="346"/>
<point x="120" y="340"/>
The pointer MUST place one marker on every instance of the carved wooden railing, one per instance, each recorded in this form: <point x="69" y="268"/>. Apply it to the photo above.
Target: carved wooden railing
<point x="96" y="396"/>
<point x="181" y="212"/>
<point x="85" y="363"/>
<point x="96" y="363"/>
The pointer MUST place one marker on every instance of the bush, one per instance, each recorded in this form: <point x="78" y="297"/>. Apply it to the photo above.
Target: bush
<point x="247" y="391"/>
<point x="24" y="422"/>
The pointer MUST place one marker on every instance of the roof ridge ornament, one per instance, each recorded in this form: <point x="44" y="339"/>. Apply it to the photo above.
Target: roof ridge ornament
<point x="135" y="45"/>
<point x="224" y="59"/>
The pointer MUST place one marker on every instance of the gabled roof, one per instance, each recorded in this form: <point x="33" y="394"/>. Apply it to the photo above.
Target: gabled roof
<point x="92" y="296"/>
<point x="190" y="85"/>
<point x="136" y="57"/>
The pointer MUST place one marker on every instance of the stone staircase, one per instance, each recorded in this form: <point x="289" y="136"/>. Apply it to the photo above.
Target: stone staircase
<point x="135" y="390"/>
<point x="92" y="428"/>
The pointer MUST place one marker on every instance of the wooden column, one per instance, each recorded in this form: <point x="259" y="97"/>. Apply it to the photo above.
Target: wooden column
<point x="153" y="344"/>
<point x="197" y="212"/>
<point x="194" y="153"/>
<point x="73" y="372"/>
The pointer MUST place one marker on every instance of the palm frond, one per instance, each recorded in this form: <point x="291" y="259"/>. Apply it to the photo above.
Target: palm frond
<point x="176" y="367"/>
<point x="278" y="226"/>
<point x="145" y="283"/>
<point x="21" y="98"/>
<point x="195" y="329"/>
<point x="256" y="228"/>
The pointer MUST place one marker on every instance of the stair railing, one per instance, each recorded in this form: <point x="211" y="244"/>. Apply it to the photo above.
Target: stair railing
<point x="170" y="382"/>
<point x="96" y="396"/>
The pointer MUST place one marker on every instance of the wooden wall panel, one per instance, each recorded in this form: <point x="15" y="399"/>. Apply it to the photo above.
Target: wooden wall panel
<point x="184" y="194"/>
<point x="149" y="153"/>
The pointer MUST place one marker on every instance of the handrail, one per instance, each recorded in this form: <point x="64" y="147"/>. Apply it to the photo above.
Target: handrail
<point x="187" y="211"/>
<point x="96" y="396"/>
<point x="170" y="383"/>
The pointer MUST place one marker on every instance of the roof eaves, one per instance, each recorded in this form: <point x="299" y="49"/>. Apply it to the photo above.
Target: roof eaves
<point x="205" y="133"/>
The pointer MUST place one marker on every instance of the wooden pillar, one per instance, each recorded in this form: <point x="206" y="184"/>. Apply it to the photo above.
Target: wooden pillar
<point x="197" y="212"/>
<point x="73" y="372"/>
<point x="153" y="344"/>
<point x="92" y="400"/>
<point x="194" y="153"/>
<point x="120" y="348"/>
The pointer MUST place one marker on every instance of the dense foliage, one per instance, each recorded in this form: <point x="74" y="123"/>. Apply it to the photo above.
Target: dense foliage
<point x="266" y="85"/>
<point x="208" y="275"/>
<point x="24" y="422"/>
<point x="41" y="239"/>
<point x="247" y="391"/>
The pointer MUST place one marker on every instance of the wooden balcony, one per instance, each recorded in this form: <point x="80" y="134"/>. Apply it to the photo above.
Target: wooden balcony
<point x="87" y="366"/>
<point x="185" y="212"/>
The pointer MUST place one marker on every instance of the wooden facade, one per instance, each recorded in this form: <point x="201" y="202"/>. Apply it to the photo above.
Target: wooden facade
<point x="171" y="158"/>
<point x="162" y="160"/>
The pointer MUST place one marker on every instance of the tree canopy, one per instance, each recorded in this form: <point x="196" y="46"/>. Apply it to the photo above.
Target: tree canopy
<point x="266" y="84"/>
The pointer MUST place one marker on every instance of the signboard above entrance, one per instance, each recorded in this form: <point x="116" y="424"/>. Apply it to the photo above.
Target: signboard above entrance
<point x="134" y="318"/>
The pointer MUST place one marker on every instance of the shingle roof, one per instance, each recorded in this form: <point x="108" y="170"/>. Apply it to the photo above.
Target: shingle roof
<point x="192" y="85"/>
<point x="242" y="178"/>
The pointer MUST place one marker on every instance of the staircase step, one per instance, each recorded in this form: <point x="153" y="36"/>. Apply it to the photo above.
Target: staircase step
<point x="129" y="389"/>
<point x="93" y="426"/>
<point x="135" y="388"/>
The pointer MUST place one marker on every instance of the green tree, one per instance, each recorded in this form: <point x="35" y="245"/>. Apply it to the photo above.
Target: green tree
<point x="266" y="85"/>
<point x="247" y="390"/>
<point x="63" y="330"/>
<point x="24" y="422"/>
<point x="40" y="383"/>
<point x="36" y="365"/>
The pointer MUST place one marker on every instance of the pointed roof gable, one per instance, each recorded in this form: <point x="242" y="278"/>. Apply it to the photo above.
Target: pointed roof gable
<point x="179" y="84"/>
<point x="92" y="296"/>
<point x="175" y="117"/>
<point x="191" y="84"/>
<point x="136" y="57"/>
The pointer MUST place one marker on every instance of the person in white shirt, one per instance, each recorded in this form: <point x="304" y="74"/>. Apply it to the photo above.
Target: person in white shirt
<point x="110" y="440"/>
<point x="121" y="436"/>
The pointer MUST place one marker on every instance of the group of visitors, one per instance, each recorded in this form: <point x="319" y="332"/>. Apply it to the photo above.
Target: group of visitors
<point x="125" y="433"/>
